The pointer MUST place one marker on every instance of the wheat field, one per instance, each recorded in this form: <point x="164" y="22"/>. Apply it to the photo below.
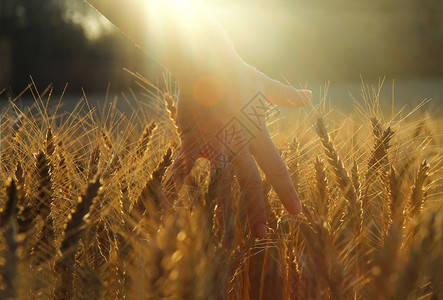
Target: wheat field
<point x="82" y="214"/>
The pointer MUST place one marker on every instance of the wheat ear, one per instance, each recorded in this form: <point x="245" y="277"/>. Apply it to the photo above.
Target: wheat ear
<point x="342" y="177"/>
<point x="321" y="194"/>
<point x="74" y="230"/>
<point x="106" y="140"/>
<point x="418" y="190"/>
<point x="93" y="162"/>
<point x="45" y="247"/>
<point x="152" y="198"/>
<point x="11" y="202"/>
<point x="378" y="158"/>
<point x="396" y="199"/>
<point x="145" y="138"/>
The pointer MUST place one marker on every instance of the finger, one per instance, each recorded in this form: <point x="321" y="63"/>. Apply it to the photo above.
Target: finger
<point x="276" y="172"/>
<point x="282" y="94"/>
<point x="285" y="95"/>
<point x="180" y="169"/>
<point x="252" y="192"/>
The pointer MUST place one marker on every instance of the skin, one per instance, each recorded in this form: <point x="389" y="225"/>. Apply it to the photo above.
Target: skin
<point x="217" y="90"/>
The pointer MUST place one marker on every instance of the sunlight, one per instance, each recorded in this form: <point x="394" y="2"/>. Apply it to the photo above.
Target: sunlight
<point x="96" y="26"/>
<point x="181" y="5"/>
<point x="160" y="14"/>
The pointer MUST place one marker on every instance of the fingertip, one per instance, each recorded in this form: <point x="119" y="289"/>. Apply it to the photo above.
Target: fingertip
<point x="305" y="96"/>
<point x="294" y="207"/>
<point x="308" y="93"/>
<point x="259" y="230"/>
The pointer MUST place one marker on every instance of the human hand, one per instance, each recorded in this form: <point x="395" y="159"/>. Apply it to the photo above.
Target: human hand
<point x="221" y="117"/>
<point x="217" y="95"/>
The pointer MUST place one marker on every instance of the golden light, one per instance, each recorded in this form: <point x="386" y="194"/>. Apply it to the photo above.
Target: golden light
<point x="180" y="5"/>
<point x="179" y="8"/>
<point x="172" y="22"/>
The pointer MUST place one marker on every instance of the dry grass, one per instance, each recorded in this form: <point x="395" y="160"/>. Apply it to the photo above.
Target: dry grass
<point x="82" y="212"/>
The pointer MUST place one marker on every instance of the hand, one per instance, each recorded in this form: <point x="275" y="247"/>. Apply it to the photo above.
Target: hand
<point x="218" y="115"/>
<point x="221" y="117"/>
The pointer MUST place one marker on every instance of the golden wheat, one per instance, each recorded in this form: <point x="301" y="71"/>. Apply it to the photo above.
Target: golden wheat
<point x="84" y="217"/>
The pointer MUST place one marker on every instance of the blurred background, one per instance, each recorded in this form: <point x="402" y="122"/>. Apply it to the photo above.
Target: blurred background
<point x="308" y="43"/>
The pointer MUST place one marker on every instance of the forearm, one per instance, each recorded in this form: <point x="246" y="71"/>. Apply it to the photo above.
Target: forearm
<point x="132" y="17"/>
